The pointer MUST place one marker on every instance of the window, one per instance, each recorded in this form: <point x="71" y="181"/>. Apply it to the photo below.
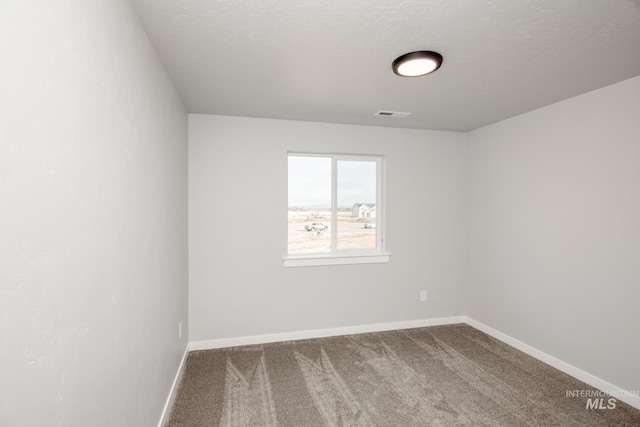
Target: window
<point x="335" y="210"/>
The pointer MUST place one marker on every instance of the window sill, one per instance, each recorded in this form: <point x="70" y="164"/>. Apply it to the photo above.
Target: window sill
<point x="318" y="260"/>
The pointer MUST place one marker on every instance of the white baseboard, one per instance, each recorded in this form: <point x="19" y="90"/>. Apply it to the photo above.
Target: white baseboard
<point x="172" y="393"/>
<point x="628" y="397"/>
<point x="321" y="333"/>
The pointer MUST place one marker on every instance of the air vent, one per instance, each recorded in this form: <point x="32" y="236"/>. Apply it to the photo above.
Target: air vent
<point x="397" y="114"/>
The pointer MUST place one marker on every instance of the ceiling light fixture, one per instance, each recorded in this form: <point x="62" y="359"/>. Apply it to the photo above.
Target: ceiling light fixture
<point x="416" y="64"/>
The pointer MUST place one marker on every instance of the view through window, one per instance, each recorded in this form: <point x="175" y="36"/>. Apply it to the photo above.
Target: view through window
<point x="333" y="204"/>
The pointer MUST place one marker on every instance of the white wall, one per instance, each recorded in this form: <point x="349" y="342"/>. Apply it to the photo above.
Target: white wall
<point x="555" y="230"/>
<point x="238" y="230"/>
<point x="93" y="234"/>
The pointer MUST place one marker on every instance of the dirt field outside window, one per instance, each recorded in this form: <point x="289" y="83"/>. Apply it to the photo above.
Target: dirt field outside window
<point x="352" y="234"/>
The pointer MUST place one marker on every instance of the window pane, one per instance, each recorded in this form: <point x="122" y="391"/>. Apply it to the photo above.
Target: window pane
<point x="309" y="205"/>
<point x="356" y="205"/>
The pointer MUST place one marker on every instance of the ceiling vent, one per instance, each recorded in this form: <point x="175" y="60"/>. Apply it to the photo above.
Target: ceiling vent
<point x="397" y="114"/>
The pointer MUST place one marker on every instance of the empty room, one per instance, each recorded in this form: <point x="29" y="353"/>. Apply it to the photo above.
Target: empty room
<point x="320" y="213"/>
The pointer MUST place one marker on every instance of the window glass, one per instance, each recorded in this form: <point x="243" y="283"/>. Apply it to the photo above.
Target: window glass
<point x="309" y="218"/>
<point x="356" y="210"/>
<point x="334" y="205"/>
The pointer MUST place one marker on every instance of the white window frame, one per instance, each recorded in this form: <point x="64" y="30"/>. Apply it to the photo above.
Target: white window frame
<point x="346" y="256"/>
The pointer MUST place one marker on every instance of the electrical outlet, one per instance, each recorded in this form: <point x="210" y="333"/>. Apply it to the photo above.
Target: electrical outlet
<point x="180" y="330"/>
<point x="423" y="295"/>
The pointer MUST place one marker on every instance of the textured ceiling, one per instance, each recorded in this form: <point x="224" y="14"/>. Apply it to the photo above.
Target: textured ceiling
<point x="330" y="60"/>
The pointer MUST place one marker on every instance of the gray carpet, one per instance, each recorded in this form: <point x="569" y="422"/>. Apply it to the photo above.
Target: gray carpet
<point x="450" y="375"/>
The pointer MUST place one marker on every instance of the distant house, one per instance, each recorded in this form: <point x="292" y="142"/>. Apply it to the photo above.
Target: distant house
<point x="364" y="210"/>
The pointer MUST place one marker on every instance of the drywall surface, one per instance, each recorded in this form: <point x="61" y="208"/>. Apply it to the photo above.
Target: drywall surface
<point x="238" y="229"/>
<point x="93" y="232"/>
<point x="555" y="230"/>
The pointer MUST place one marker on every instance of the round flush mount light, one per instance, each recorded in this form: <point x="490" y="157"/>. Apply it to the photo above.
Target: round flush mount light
<point x="416" y="64"/>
